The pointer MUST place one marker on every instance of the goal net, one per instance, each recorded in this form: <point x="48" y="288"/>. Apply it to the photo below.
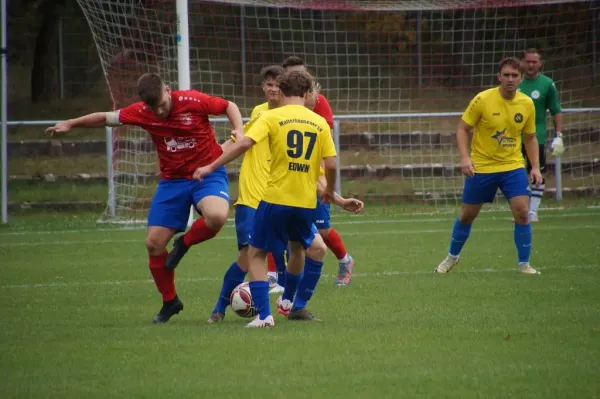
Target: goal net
<point x="397" y="74"/>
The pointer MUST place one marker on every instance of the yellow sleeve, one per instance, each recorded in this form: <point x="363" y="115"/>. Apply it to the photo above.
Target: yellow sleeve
<point x="530" y="123"/>
<point x="473" y="112"/>
<point x="259" y="130"/>
<point x="327" y="145"/>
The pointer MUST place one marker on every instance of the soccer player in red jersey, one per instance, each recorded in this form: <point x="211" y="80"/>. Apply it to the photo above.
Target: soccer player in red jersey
<point x="332" y="239"/>
<point x="178" y="124"/>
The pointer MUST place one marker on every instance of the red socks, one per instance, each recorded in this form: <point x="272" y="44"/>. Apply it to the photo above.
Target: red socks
<point x="271" y="263"/>
<point x="198" y="233"/>
<point x="335" y="244"/>
<point x="163" y="278"/>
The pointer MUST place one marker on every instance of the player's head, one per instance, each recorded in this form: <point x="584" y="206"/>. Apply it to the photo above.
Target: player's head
<point x="294" y="63"/>
<point x="509" y="75"/>
<point x="270" y="86"/>
<point x="296" y="84"/>
<point x="533" y="62"/>
<point x="155" y="94"/>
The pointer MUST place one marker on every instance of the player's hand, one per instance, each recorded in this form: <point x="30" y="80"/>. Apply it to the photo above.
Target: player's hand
<point x="202" y="171"/>
<point x="352" y="205"/>
<point x="536" y="176"/>
<point x="60" y="127"/>
<point x="237" y="134"/>
<point x="557" y="146"/>
<point x="327" y="197"/>
<point x="467" y="166"/>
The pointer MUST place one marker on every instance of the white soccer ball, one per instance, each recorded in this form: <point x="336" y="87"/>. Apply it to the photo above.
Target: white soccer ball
<point x="241" y="301"/>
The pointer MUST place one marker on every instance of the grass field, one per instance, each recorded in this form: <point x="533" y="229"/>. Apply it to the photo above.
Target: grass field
<point x="77" y="306"/>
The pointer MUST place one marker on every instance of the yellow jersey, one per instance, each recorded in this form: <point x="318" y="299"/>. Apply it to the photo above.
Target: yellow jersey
<point x="299" y="139"/>
<point x="254" y="172"/>
<point x="498" y="124"/>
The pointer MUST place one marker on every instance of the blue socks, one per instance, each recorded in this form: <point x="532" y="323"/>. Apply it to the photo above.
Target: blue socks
<point x="306" y="288"/>
<point x="460" y="234"/>
<point x="260" y="295"/>
<point x="234" y="276"/>
<point x="291" y="285"/>
<point x="523" y="241"/>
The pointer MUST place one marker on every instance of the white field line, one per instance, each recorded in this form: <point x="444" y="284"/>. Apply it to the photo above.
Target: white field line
<point x="393" y="273"/>
<point x="371" y="220"/>
<point x="448" y="230"/>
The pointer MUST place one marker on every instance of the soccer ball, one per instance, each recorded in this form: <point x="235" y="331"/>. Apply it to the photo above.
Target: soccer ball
<point x="241" y="301"/>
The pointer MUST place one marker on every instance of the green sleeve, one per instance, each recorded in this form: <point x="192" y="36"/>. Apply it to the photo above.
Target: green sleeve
<point x="552" y="100"/>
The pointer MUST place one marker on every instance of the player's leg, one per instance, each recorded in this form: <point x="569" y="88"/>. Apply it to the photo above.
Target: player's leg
<point x="166" y="216"/>
<point x="334" y="242"/>
<point x="236" y="273"/>
<point x="277" y="261"/>
<point x="477" y="190"/>
<point x="537" y="193"/>
<point x="268" y="235"/>
<point x="211" y="198"/>
<point x="514" y="186"/>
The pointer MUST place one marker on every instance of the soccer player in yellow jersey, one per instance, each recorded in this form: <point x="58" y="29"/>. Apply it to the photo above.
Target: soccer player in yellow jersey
<point x="298" y="139"/>
<point x="498" y="117"/>
<point x="254" y="174"/>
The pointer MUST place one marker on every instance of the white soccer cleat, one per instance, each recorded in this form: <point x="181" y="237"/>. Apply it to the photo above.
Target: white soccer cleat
<point x="533" y="217"/>
<point x="268" y="322"/>
<point x="447" y="264"/>
<point x="527" y="269"/>
<point x="276" y="289"/>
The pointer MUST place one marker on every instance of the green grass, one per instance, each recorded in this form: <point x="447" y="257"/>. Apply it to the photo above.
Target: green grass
<point x="77" y="306"/>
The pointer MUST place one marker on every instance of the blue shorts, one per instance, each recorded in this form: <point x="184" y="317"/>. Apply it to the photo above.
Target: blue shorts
<point x="322" y="218"/>
<point x="244" y="220"/>
<point x="483" y="186"/>
<point x="173" y="198"/>
<point x="275" y="225"/>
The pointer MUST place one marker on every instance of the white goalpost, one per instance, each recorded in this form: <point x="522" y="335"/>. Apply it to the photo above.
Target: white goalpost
<point x="396" y="73"/>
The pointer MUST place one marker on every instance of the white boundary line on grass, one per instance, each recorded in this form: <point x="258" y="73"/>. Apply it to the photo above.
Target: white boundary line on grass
<point x="368" y="219"/>
<point x="448" y="230"/>
<point x="203" y="279"/>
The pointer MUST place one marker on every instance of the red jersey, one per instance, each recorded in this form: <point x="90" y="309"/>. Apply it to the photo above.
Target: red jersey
<point x="185" y="140"/>
<point x="323" y="109"/>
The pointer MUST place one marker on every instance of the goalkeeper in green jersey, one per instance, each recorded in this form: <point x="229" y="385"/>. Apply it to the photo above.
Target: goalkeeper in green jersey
<point x="544" y="94"/>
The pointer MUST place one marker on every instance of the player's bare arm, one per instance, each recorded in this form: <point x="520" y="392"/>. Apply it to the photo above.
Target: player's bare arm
<point x="235" y="117"/>
<point x="330" y="176"/>
<point x="348" y="204"/>
<point x="532" y="149"/>
<point x="96" y="119"/>
<point x="232" y="152"/>
<point x="462" y="141"/>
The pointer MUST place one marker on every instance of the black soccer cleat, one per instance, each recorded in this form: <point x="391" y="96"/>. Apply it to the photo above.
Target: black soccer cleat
<point x="177" y="253"/>
<point x="168" y="309"/>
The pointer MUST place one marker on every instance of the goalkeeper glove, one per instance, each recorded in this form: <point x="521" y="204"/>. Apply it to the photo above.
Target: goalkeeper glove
<point x="557" y="145"/>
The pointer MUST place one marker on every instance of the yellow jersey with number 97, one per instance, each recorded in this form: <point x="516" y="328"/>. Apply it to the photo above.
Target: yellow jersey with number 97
<point x="298" y="139"/>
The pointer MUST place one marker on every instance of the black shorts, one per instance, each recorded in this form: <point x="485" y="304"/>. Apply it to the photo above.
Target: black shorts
<point x="542" y="159"/>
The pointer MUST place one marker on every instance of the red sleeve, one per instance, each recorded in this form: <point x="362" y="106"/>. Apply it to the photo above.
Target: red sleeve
<point x="209" y="105"/>
<point x="131" y="115"/>
<point x="323" y="108"/>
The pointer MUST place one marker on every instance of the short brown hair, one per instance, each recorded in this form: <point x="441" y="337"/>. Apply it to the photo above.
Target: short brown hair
<point x="271" y="72"/>
<point x="150" y="88"/>
<point x="295" y="84"/>
<point x="532" y="50"/>
<point x="293" y="61"/>
<point x="512" y="62"/>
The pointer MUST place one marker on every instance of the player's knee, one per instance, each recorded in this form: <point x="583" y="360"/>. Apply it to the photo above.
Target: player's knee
<point x="466" y="217"/>
<point x="317" y="249"/>
<point x="324" y="232"/>
<point x="155" y="246"/>
<point x="216" y="221"/>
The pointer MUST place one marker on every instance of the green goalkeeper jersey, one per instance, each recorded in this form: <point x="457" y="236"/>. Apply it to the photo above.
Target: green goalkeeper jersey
<point x="544" y="94"/>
